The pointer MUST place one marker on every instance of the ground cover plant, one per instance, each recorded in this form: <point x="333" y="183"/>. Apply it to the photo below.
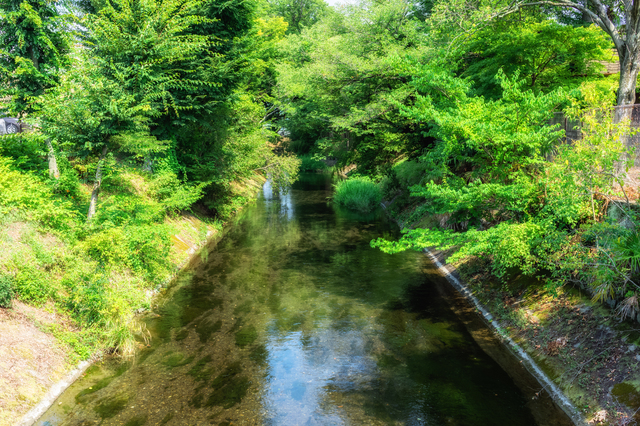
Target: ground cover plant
<point x="358" y="194"/>
<point x="145" y="115"/>
<point x="146" y="134"/>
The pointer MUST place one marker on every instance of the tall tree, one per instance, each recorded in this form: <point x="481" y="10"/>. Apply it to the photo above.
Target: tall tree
<point x="620" y="20"/>
<point x="544" y="53"/>
<point x="298" y="13"/>
<point x="126" y="77"/>
<point x="33" y="48"/>
<point x="342" y="83"/>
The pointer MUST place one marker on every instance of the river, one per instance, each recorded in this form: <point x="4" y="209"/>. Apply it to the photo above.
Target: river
<point x="291" y="318"/>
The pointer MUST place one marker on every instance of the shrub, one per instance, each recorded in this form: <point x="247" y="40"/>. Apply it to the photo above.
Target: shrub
<point x="359" y="194"/>
<point x="409" y="172"/>
<point x="308" y="163"/>
<point x="173" y="194"/>
<point x="31" y="285"/>
<point x="6" y="291"/>
<point x="24" y="194"/>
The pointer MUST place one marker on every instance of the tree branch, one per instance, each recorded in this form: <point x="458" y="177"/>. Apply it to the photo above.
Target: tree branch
<point x="600" y="18"/>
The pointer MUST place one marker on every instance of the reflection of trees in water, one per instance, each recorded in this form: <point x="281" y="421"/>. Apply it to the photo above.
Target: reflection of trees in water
<point x="427" y="371"/>
<point x="326" y="329"/>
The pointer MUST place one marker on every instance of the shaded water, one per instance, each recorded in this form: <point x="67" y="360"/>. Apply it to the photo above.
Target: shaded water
<point x="292" y="319"/>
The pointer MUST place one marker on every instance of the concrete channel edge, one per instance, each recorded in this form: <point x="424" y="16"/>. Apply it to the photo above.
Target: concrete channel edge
<point x="558" y="396"/>
<point x="53" y="393"/>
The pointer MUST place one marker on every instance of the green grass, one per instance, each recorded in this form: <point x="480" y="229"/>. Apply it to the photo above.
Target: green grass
<point x="98" y="273"/>
<point x="359" y="194"/>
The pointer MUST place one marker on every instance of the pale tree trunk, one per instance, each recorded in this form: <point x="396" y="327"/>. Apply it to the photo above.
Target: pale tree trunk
<point x="629" y="68"/>
<point x="53" y="163"/>
<point x="96" y="185"/>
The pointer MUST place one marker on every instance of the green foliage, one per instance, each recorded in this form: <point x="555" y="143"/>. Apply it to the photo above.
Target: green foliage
<point x="26" y="150"/>
<point x="25" y="195"/>
<point x="68" y="184"/>
<point x="32" y="285"/>
<point x="544" y="53"/>
<point x="181" y="88"/>
<point x="586" y="168"/>
<point x="506" y="189"/>
<point x="6" y="291"/>
<point x="628" y="250"/>
<point x="409" y="172"/>
<point x="486" y="165"/>
<point x="183" y="102"/>
<point x="360" y="194"/>
<point x="309" y="163"/>
<point x="299" y="14"/>
<point x="340" y="82"/>
<point x="34" y="42"/>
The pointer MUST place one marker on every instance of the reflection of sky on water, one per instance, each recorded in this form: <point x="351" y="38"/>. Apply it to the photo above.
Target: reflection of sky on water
<point x="304" y="370"/>
<point x="274" y="199"/>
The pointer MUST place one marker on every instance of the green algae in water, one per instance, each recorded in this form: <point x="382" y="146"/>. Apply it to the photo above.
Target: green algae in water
<point x="259" y="355"/>
<point x="181" y="335"/>
<point x="173" y="360"/>
<point x="246" y="336"/>
<point x="167" y="418"/>
<point x="110" y="407"/>
<point x="244" y="308"/>
<point x="144" y="354"/>
<point x="231" y="371"/>
<point x="388" y="361"/>
<point x="229" y="388"/>
<point x="82" y="396"/>
<point x="199" y="372"/>
<point x="231" y="393"/>
<point x="139" y="420"/>
<point x="627" y="394"/>
<point x="206" y="327"/>
<point x="189" y="314"/>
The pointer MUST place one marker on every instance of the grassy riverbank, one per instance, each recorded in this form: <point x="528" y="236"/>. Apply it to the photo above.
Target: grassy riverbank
<point x="78" y="286"/>
<point x="582" y="345"/>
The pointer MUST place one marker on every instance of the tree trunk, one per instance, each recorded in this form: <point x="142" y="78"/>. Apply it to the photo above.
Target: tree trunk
<point x="53" y="163"/>
<point x="96" y="185"/>
<point x="629" y="68"/>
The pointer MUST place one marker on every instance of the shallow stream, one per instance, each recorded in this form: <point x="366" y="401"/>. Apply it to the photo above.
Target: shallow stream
<point x="292" y="319"/>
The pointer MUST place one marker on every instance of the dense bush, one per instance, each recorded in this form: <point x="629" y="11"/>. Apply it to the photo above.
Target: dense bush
<point x="6" y="291"/>
<point x="308" y="163"/>
<point x="33" y="285"/>
<point x="409" y="172"/>
<point x="359" y="194"/>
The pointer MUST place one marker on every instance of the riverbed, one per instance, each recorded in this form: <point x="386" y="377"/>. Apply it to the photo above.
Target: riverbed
<point x="291" y="318"/>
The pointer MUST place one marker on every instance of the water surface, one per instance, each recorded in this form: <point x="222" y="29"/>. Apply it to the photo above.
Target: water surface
<point x="292" y="319"/>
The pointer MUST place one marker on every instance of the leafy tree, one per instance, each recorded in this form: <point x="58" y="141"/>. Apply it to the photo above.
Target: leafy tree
<point x="456" y="20"/>
<point x="543" y="52"/>
<point x="299" y="14"/>
<point x="485" y="167"/>
<point x="214" y="68"/>
<point x="342" y="83"/>
<point x="34" y="42"/>
<point x="485" y="174"/>
<point x="124" y="79"/>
